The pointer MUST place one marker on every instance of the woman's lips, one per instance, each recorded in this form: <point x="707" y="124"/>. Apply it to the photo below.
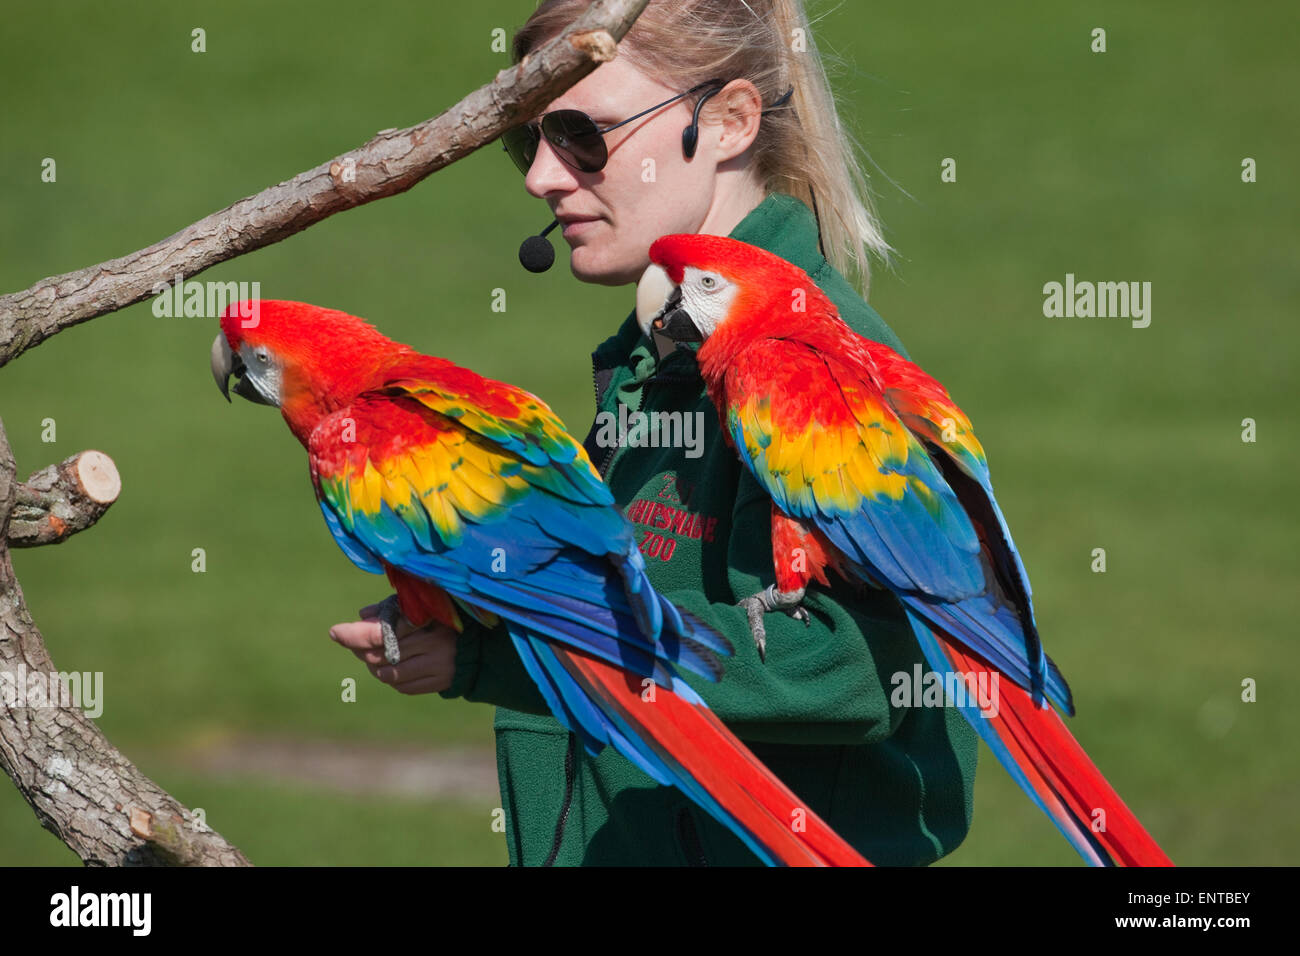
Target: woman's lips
<point x="577" y="225"/>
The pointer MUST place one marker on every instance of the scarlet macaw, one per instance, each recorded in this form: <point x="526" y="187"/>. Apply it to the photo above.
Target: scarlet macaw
<point x="875" y="472"/>
<point x="474" y="500"/>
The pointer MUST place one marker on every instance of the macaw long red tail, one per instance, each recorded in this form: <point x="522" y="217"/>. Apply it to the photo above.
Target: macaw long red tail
<point x="685" y="743"/>
<point x="1049" y="764"/>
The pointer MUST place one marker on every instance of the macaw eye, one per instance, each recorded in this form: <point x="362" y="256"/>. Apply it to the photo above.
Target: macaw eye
<point x="708" y="283"/>
<point x="261" y="356"/>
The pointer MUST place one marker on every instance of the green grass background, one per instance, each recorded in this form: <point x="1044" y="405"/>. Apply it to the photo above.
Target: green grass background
<point x="1116" y="166"/>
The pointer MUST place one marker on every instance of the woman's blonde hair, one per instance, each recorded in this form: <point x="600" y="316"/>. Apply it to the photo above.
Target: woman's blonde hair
<point x="801" y="148"/>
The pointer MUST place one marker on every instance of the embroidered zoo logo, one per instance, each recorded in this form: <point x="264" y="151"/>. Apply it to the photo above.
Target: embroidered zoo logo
<point x="660" y="517"/>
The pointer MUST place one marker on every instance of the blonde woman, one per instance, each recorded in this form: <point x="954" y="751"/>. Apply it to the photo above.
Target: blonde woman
<point x="727" y="105"/>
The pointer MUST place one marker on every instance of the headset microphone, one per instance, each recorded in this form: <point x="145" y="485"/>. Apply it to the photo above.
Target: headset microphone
<point x="536" y="254"/>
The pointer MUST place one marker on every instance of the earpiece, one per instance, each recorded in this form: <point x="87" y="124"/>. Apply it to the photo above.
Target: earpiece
<point x="691" y="135"/>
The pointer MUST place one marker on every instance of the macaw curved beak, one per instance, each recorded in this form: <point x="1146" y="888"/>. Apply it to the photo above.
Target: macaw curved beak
<point x="223" y="364"/>
<point x="226" y="363"/>
<point x="659" y="307"/>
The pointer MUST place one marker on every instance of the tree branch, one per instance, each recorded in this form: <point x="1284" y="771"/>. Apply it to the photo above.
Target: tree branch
<point x="81" y="788"/>
<point x="391" y="163"/>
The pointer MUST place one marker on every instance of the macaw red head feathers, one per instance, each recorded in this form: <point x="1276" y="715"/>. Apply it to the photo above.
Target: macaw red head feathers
<point x="306" y="360"/>
<point x="699" y="284"/>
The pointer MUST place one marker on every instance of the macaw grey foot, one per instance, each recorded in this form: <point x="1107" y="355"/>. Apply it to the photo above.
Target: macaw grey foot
<point x="390" y="612"/>
<point x="770" y="599"/>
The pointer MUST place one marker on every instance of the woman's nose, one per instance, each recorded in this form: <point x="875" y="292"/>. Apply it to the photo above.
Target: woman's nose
<point x="549" y="173"/>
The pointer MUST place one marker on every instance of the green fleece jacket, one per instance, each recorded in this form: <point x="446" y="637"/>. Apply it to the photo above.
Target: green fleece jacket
<point x="895" y="782"/>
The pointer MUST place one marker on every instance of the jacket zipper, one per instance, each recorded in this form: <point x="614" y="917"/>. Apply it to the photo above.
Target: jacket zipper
<point x="607" y="458"/>
<point x="684" y="823"/>
<point x="609" y="452"/>
<point x="690" y="839"/>
<point x="567" y="803"/>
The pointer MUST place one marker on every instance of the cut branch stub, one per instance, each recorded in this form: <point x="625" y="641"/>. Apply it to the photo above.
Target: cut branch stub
<point x="60" y="500"/>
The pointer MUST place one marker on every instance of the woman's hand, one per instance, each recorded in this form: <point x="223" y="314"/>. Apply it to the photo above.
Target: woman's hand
<point x="428" y="654"/>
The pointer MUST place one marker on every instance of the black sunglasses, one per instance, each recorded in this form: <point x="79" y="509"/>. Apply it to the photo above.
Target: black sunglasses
<point x="578" y="141"/>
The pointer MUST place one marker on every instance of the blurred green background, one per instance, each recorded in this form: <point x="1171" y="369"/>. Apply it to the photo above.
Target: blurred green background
<point x="1117" y="166"/>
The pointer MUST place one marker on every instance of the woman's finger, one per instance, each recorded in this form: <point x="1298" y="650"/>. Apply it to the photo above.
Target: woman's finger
<point x="415" y="668"/>
<point x="358" y="635"/>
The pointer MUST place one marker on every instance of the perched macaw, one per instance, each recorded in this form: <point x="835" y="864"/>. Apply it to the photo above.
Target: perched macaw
<point x="474" y="500"/>
<point x="874" y="472"/>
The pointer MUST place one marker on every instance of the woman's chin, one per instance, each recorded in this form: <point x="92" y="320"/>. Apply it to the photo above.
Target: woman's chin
<point x="588" y="264"/>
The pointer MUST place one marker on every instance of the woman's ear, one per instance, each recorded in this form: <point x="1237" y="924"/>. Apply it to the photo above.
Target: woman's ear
<point x="737" y="113"/>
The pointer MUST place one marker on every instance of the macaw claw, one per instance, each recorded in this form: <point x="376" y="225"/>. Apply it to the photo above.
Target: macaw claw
<point x="390" y="611"/>
<point x="770" y="599"/>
